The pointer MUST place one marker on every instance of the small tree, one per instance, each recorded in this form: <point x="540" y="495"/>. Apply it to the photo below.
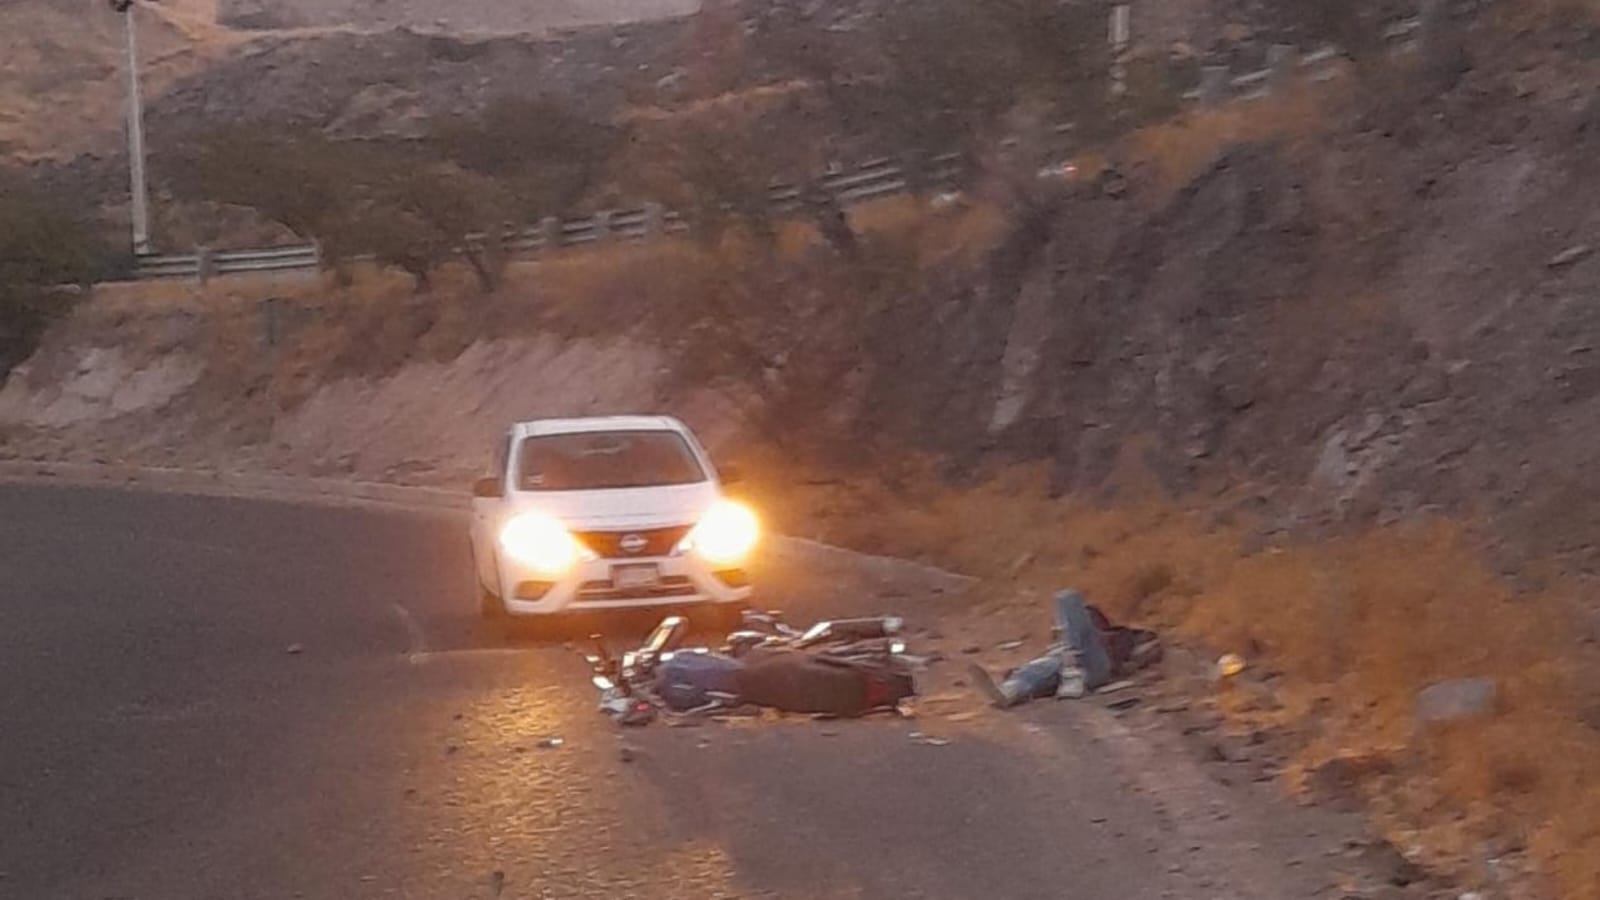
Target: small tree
<point x="293" y="176"/>
<point x="437" y="212"/>
<point x="396" y="202"/>
<point x="42" y="248"/>
<point x="710" y="167"/>
<point x="544" y="154"/>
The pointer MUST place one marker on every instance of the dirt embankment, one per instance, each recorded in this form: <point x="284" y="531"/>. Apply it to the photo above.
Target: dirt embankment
<point x="300" y="376"/>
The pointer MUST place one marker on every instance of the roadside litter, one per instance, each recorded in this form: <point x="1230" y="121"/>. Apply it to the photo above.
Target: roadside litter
<point x="1229" y="665"/>
<point x="837" y="668"/>
<point x="1088" y="653"/>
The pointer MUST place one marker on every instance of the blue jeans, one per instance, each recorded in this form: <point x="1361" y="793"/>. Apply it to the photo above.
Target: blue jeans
<point x="1079" y="643"/>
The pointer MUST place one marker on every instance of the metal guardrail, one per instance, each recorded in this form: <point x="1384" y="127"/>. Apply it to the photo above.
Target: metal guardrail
<point x="876" y="178"/>
<point x="873" y="179"/>
<point x="204" y="264"/>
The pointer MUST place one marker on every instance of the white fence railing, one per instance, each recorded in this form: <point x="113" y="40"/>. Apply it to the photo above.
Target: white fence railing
<point x="873" y="179"/>
<point x="877" y="178"/>
<point x="204" y="264"/>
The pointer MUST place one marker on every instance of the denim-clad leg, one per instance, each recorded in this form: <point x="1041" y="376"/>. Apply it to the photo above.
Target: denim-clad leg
<point x="1079" y="634"/>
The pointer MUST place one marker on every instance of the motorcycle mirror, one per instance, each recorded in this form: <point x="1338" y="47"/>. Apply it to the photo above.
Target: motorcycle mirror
<point x="666" y="636"/>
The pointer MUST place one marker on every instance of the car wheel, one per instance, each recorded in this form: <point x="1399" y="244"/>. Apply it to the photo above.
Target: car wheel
<point x="490" y="606"/>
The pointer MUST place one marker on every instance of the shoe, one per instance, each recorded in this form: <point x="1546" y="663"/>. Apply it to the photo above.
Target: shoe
<point x="1073" y="685"/>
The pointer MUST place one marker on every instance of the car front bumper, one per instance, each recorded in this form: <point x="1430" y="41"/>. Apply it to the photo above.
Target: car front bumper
<point x="599" y="584"/>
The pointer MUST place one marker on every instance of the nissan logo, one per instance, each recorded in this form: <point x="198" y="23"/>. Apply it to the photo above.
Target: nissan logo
<point x="633" y="543"/>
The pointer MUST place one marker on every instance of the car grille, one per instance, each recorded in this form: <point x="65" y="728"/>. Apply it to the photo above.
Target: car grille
<point x="657" y="541"/>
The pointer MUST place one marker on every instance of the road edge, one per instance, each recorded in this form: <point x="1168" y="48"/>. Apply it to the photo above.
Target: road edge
<point x="244" y="485"/>
<point x="334" y="492"/>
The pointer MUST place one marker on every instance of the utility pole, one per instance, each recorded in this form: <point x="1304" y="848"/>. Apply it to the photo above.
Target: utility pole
<point x="1120" y="34"/>
<point x="141" y="201"/>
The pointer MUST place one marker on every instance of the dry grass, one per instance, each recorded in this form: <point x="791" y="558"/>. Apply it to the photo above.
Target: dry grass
<point x="59" y="62"/>
<point x="1520" y="14"/>
<point x="1355" y="625"/>
<point x="1182" y="148"/>
<point x="749" y="101"/>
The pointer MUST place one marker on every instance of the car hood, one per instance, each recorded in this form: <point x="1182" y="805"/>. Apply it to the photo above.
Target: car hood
<point x="645" y="507"/>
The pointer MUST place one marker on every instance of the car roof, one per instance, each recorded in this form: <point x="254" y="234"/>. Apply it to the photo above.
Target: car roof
<point x="588" y="424"/>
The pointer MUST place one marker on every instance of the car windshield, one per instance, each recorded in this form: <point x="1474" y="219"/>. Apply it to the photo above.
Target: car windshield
<point x="607" y="459"/>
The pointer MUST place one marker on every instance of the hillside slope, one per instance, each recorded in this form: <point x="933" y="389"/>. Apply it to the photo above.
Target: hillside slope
<point x="61" y="69"/>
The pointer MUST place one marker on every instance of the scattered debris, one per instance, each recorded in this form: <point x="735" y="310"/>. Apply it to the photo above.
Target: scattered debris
<point x="1009" y="645"/>
<point x="1230" y="665"/>
<point x="295" y="649"/>
<point x="1570" y="255"/>
<point x="1459" y="698"/>
<point x="626" y="754"/>
<point x="550" y="743"/>
<point x="918" y="737"/>
<point x="497" y="882"/>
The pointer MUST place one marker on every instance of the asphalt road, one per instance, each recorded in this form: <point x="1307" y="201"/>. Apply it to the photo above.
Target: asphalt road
<point x="158" y="741"/>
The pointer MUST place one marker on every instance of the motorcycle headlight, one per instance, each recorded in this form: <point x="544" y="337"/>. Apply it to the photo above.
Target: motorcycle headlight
<point x="725" y="535"/>
<point x="542" y="544"/>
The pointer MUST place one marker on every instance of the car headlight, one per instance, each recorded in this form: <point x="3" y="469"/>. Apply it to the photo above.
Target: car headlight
<point x="725" y="535"/>
<point x="542" y="544"/>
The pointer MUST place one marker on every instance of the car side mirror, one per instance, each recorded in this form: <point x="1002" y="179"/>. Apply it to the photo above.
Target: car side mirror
<point x="490" y="487"/>
<point x="730" y="474"/>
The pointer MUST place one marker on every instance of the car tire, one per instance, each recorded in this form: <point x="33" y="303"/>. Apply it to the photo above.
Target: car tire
<point x="490" y="606"/>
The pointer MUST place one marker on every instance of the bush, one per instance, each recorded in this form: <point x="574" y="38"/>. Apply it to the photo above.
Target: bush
<point x="394" y="201"/>
<point x="544" y="155"/>
<point x="44" y="248"/>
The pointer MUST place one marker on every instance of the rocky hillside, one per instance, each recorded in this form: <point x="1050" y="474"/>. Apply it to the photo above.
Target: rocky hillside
<point x="1386" y="314"/>
<point x="61" y="62"/>
<point x="61" y="70"/>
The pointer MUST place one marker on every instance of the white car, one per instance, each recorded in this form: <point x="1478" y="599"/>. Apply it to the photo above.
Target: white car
<point x="619" y="512"/>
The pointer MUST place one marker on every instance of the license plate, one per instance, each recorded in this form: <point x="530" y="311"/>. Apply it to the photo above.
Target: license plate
<point x="633" y="577"/>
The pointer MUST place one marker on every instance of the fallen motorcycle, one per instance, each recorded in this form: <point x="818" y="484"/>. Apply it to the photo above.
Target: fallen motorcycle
<point x="842" y="667"/>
